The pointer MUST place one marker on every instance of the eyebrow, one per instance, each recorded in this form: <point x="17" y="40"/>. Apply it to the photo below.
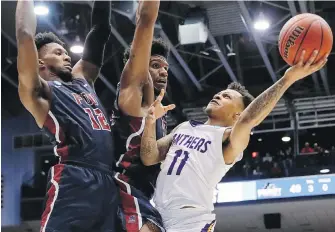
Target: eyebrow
<point x="159" y="60"/>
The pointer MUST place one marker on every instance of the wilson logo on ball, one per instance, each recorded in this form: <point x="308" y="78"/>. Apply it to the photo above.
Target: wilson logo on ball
<point x="290" y="42"/>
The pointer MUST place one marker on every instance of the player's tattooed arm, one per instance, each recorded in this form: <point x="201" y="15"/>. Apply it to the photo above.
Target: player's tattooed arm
<point x="153" y="151"/>
<point x="32" y="89"/>
<point x="135" y="75"/>
<point x="261" y="107"/>
<point x="89" y="65"/>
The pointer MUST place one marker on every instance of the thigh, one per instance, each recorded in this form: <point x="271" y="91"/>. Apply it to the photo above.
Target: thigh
<point x="72" y="202"/>
<point x="136" y="210"/>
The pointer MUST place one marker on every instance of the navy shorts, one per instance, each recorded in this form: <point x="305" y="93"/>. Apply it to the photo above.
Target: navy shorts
<point x="135" y="208"/>
<point x="79" y="199"/>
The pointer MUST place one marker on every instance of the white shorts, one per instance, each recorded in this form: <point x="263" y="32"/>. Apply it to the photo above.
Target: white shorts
<point x="188" y="220"/>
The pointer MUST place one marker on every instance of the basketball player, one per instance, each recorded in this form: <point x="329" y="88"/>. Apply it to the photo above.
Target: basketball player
<point x="146" y="70"/>
<point x="198" y="155"/>
<point x="81" y="193"/>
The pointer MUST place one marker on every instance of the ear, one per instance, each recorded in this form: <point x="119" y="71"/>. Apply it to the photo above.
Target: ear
<point x="41" y="64"/>
<point x="236" y="116"/>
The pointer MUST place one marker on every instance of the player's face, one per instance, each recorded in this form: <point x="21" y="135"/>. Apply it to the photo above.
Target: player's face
<point x="225" y="105"/>
<point x="158" y="69"/>
<point x="56" y="59"/>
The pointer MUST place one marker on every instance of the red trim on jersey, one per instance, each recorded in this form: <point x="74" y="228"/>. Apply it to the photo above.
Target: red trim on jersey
<point x="50" y="124"/>
<point x="128" y="205"/>
<point x="52" y="194"/>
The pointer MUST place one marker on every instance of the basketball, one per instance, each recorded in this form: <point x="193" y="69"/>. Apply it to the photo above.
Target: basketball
<point x="307" y="32"/>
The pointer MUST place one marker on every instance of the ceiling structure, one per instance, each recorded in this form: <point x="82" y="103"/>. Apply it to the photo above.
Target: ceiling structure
<point x="199" y="70"/>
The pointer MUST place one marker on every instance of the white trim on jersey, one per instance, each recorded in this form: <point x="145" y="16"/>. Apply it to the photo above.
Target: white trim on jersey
<point x="135" y="133"/>
<point x="135" y="200"/>
<point x="130" y="137"/>
<point x="54" y="182"/>
<point x="54" y="119"/>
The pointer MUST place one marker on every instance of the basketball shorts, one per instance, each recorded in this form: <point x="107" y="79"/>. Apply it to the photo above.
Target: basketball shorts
<point x="79" y="199"/>
<point x="188" y="220"/>
<point x="135" y="209"/>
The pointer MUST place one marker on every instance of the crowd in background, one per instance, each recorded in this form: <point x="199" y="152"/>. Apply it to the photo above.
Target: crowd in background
<point x="280" y="163"/>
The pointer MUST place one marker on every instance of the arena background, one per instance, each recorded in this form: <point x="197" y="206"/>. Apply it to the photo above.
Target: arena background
<point x="276" y="185"/>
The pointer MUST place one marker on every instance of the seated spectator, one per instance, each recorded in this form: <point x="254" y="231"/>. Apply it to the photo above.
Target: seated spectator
<point x="317" y="148"/>
<point x="267" y="158"/>
<point x="281" y="155"/>
<point x="307" y="149"/>
<point x="246" y="168"/>
<point x="257" y="172"/>
<point x="276" y="170"/>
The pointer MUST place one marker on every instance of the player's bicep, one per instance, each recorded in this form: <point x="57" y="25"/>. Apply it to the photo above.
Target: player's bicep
<point x="130" y="100"/>
<point x="27" y="62"/>
<point x="235" y="142"/>
<point x="87" y="70"/>
<point x="36" y="101"/>
<point x="163" y="146"/>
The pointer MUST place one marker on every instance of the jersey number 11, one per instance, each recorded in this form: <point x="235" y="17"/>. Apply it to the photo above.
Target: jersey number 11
<point x="178" y="153"/>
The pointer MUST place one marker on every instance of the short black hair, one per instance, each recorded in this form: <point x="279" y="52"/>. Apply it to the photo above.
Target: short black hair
<point x="246" y="96"/>
<point x="159" y="47"/>
<point x="44" y="38"/>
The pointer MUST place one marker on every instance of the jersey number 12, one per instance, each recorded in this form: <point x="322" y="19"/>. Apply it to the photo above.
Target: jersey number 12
<point x="98" y="119"/>
<point x="178" y="153"/>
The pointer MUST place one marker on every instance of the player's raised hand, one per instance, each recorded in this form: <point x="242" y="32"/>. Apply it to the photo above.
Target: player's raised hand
<point x="301" y="69"/>
<point x="157" y="110"/>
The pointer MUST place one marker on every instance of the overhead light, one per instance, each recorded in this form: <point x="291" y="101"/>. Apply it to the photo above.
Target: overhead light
<point x="286" y="138"/>
<point x="41" y="10"/>
<point x="251" y="133"/>
<point x="260" y="139"/>
<point x="261" y="23"/>
<point x="77" y="48"/>
<point x="326" y="170"/>
<point x="313" y="134"/>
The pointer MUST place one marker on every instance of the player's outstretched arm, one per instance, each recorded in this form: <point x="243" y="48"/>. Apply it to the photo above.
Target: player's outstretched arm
<point x="31" y="86"/>
<point x="261" y="107"/>
<point x="153" y="151"/>
<point x="136" y="71"/>
<point x="90" y="63"/>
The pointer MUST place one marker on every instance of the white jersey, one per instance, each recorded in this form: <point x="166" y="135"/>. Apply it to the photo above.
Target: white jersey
<point x="194" y="165"/>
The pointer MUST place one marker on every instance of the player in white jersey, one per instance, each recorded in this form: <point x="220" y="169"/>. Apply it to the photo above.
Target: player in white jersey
<point x="198" y="155"/>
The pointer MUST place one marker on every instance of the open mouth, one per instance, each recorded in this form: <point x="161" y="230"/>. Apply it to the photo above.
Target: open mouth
<point x="68" y="67"/>
<point x="215" y="102"/>
<point x="163" y="82"/>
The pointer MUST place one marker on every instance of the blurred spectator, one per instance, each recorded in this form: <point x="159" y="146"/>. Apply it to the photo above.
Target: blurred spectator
<point x="257" y="172"/>
<point x="317" y="148"/>
<point x="281" y="155"/>
<point x="267" y="158"/>
<point x="307" y="148"/>
<point x="246" y="168"/>
<point x="276" y="171"/>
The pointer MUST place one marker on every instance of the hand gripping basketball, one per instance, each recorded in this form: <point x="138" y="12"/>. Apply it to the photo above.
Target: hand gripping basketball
<point x="301" y="69"/>
<point x="157" y="110"/>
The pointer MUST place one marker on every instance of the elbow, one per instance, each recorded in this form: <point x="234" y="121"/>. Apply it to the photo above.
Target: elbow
<point x="146" y="161"/>
<point x="23" y="34"/>
<point x="147" y="17"/>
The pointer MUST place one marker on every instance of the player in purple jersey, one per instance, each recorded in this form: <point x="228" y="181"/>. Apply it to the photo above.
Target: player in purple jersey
<point x="145" y="73"/>
<point x="81" y="193"/>
<point x="232" y="114"/>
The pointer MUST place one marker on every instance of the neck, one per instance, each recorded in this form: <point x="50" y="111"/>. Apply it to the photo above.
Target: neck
<point x="49" y="76"/>
<point x="215" y="122"/>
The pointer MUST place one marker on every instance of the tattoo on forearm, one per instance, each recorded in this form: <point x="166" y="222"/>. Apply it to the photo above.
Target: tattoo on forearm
<point x="265" y="102"/>
<point x="148" y="147"/>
